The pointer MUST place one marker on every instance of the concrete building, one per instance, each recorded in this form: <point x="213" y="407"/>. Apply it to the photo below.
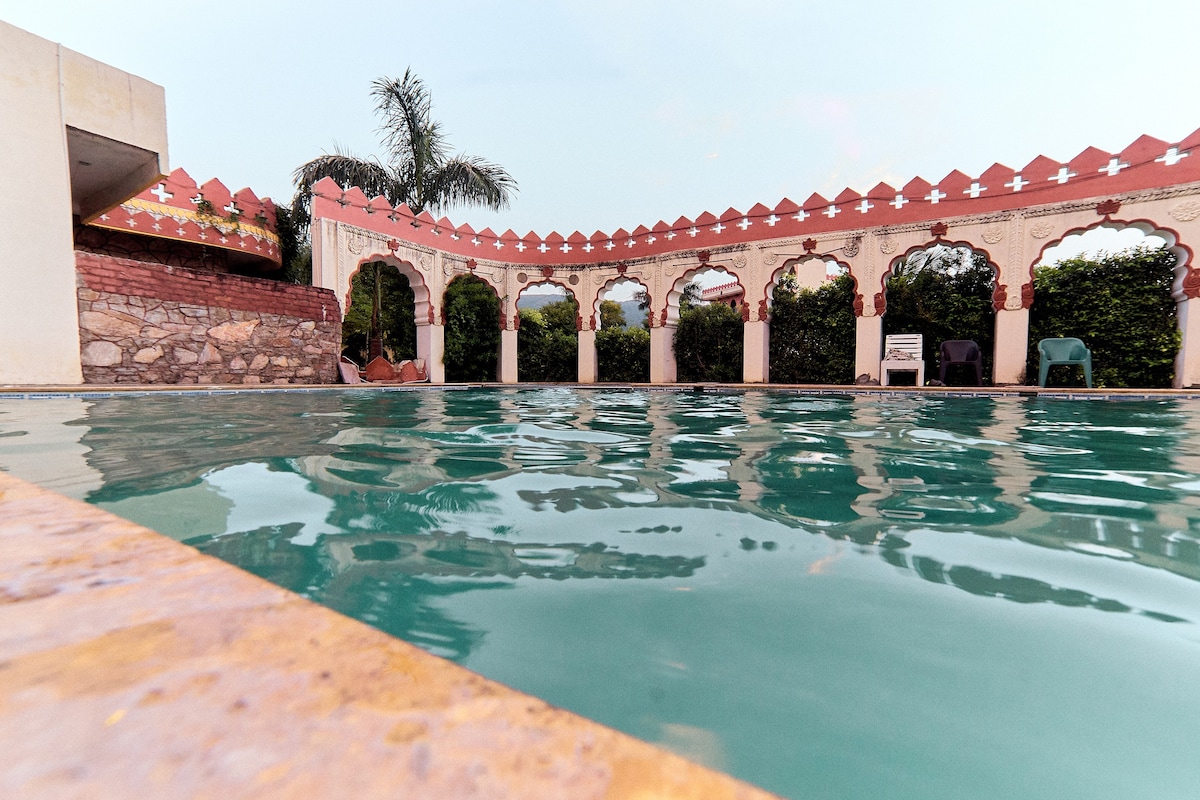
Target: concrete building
<point x="79" y="137"/>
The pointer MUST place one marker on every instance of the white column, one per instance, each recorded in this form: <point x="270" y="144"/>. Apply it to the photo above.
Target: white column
<point x="588" y="365"/>
<point x="1012" y="346"/>
<point x="868" y="345"/>
<point x="1187" y="361"/>
<point x="756" y="342"/>
<point x="508" y="356"/>
<point x="662" y="355"/>
<point x="431" y="346"/>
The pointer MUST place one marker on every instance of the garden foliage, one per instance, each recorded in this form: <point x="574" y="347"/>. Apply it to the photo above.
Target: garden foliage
<point x="1120" y="305"/>
<point x="708" y="344"/>
<point x="548" y="343"/>
<point x="812" y="333"/>
<point x="472" y="330"/>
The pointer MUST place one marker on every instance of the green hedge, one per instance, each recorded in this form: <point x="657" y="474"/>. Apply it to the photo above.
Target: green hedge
<point x="708" y="344"/>
<point x="472" y="330"/>
<point x="1120" y="306"/>
<point x="813" y="332"/>
<point x="623" y="355"/>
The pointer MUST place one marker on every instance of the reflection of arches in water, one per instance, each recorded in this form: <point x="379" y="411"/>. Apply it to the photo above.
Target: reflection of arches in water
<point x="1015" y="588"/>
<point x="441" y="554"/>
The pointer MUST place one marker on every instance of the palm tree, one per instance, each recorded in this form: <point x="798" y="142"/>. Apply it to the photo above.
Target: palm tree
<point x="419" y="171"/>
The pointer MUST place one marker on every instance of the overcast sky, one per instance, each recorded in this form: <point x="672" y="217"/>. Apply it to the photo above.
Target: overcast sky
<point x="613" y="114"/>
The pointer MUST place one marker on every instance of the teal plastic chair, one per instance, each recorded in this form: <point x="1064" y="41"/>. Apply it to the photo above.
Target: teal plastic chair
<point x="1064" y="351"/>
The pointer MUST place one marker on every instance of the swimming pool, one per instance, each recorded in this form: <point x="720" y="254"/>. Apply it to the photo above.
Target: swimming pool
<point x="830" y="596"/>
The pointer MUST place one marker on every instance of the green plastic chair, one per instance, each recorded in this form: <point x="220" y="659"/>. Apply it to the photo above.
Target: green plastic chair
<point x="1064" y="351"/>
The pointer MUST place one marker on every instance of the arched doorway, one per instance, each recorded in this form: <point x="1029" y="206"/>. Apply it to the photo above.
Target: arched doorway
<point x="943" y="291"/>
<point x="812" y="322"/>
<point x="623" y="338"/>
<point x="472" y="317"/>
<point x="380" y="317"/>
<point x="548" y="334"/>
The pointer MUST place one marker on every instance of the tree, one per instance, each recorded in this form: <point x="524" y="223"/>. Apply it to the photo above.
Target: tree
<point x="943" y="293"/>
<point x="393" y="317"/>
<point x="419" y="171"/>
<point x="611" y="315"/>
<point x="813" y="332"/>
<point x="548" y="343"/>
<point x="472" y="330"/>
<point x="1120" y="305"/>
<point x="708" y="343"/>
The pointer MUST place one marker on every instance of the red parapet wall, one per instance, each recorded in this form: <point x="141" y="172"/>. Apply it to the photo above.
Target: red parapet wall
<point x="1147" y="164"/>
<point x="153" y="324"/>
<point x="178" y="209"/>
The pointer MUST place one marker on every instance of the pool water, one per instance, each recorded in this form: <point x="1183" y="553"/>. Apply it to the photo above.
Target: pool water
<point x="828" y="596"/>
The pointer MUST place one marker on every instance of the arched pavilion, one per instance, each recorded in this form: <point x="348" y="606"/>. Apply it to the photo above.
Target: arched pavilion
<point x="1011" y="215"/>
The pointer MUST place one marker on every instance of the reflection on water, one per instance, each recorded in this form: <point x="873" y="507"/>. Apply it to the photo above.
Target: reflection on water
<point x="829" y="596"/>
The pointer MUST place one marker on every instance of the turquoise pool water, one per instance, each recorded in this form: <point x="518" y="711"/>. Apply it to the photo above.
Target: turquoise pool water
<point x="829" y="596"/>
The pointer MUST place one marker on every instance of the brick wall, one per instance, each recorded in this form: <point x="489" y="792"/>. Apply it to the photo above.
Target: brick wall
<point x="151" y="323"/>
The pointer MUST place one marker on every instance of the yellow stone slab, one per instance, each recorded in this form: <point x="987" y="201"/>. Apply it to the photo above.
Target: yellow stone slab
<point x="132" y="666"/>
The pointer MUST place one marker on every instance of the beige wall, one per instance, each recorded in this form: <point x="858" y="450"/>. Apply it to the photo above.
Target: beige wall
<point x="119" y="124"/>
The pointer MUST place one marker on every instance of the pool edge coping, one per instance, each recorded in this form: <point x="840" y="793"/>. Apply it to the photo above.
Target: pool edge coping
<point x="110" y="629"/>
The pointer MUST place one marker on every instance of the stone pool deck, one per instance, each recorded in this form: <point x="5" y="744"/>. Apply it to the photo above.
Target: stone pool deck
<point x="132" y="666"/>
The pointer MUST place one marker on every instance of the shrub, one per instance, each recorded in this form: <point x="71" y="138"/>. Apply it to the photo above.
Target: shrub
<point x="708" y="344"/>
<point x="1120" y="306"/>
<point x="813" y="333"/>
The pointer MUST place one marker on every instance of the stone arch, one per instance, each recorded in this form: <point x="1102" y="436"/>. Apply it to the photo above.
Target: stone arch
<point x="424" y="308"/>
<point x="1187" y="277"/>
<point x="607" y="287"/>
<point x="670" y="312"/>
<point x="548" y="280"/>
<point x="890" y="269"/>
<point x="792" y="265"/>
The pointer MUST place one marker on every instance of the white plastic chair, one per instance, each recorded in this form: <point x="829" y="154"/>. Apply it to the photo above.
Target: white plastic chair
<point x="896" y="345"/>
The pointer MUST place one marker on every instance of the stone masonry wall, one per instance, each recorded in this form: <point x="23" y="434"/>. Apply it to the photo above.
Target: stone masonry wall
<point x="151" y="323"/>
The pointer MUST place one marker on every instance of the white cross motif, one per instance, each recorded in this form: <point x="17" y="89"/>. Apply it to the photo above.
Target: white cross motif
<point x="543" y="247"/>
<point x="232" y="208"/>
<point x="1171" y="157"/>
<point x="975" y="190"/>
<point x="692" y="231"/>
<point x="156" y="226"/>
<point x="498" y="244"/>
<point x="242" y="244"/>
<point x="1016" y="184"/>
<point x="224" y="240"/>
<point x="935" y="196"/>
<point x="671" y="235"/>
<point x="522" y="247"/>
<point x="899" y="202"/>
<point x="455" y="236"/>
<point x="131" y="223"/>
<point x="204" y="236"/>
<point x="161" y="192"/>
<point x="718" y="228"/>
<point x="651" y="239"/>
<point x="104" y="217"/>
<point x="1114" y="166"/>
<point x="865" y="206"/>
<point x="587" y="248"/>
<point x="832" y="211"/>
<point x="631" y="242"/>
<point x="197" y="198"/>
<point x="179" y="231"/>
<point x="745" y="223"/>
<point x="800" y="215"/>
<point x="771" y="220"/>
<point x="1063" y="176"/>
<point x="566" y="248"/>
<point x="475" y="241"/>
<point x="609" y="245"/>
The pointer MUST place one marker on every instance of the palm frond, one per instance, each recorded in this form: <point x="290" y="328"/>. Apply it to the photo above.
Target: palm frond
<point x="347" y="170"/>
<point x="408" y="131"/>
<point x="470" y="180"/>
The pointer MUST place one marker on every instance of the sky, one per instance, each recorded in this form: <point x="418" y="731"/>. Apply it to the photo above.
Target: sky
<point x="613" y="114"/>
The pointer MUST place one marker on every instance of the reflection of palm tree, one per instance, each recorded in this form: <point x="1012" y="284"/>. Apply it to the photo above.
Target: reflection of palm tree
<point x="419" y="171"/>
